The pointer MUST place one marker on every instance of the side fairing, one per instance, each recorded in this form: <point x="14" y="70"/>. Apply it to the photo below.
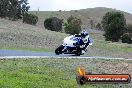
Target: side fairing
<point x="68" y="41"/>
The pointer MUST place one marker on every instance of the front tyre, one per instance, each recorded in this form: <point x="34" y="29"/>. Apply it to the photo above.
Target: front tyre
<point x="59" y="50"/>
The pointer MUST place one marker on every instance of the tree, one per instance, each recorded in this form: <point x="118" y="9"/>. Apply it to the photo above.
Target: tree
<point x="53" y="24"/>
<point x="17" y="9"/>
<point x="114" y="24"/>
<point x="24" y="7"/>
<point x="3" y="8"/>
<point x="73" y="25"/>
<point x="13" y="9"/>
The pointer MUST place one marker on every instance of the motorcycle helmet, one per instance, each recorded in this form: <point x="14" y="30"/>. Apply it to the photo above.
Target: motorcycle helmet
<point x="84" y="34"/>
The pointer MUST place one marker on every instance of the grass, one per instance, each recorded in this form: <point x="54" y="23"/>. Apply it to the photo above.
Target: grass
<point x="25" y="49"/>
<point x="56" y="73"/>
<point x="16" y="35"/>
<point x="112" y="47"/>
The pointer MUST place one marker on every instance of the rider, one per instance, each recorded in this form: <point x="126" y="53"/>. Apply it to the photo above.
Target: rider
<point x="85" y="40"/>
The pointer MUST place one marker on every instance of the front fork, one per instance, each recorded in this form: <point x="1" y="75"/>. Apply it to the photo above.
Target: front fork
<point x="63" y="50"/>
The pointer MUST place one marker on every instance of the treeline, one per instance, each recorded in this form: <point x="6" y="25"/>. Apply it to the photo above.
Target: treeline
<point x="113" y="24"/>
<point x="17" y="9"/>
<point x="115" y="27"/>
<point x="71" y="26"/>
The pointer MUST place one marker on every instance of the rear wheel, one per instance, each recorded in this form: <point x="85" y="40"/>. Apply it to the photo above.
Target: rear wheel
<point x="78" y="53"/>
<point x="59" y="50"/>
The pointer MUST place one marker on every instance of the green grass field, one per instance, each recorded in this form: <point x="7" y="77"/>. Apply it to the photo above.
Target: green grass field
<point x="57" y="73"/>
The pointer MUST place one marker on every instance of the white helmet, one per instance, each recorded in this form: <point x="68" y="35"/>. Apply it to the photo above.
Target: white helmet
<point x="84" y="33"/>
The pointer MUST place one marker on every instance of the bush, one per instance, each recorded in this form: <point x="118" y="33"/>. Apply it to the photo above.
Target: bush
<point x="30" y="19"/>
<point x="92" y="23"/>
<point x="73" y="25"/>
<point x="53" y="24"/>
<point x="99" y="26"/>
<point x="129" y="29"/>
<point x="114" y="24"/>
<point x="126" y="38"/>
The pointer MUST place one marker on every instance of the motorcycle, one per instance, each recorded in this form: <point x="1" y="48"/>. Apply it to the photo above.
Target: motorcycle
<point x="71" y="45"/>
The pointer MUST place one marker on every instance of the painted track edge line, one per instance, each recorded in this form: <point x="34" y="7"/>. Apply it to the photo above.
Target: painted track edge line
<point x="14" y="57"/>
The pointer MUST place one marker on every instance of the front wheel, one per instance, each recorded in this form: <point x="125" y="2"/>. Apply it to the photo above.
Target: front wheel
<point x="59" y="50"/>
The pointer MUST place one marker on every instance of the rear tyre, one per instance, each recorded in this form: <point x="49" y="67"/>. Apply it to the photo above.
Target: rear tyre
<point x="59" y="50"/>
<point x="78" y="53"/>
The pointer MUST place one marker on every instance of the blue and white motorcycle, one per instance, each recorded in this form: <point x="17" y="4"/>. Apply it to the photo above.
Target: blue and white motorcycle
<point x="71" y="45"/>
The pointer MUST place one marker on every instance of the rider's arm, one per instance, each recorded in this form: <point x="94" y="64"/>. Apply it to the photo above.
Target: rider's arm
<point x="86" y="40"/>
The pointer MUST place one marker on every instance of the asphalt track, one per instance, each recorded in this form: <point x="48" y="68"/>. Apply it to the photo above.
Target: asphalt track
<point x="29" y="54"/>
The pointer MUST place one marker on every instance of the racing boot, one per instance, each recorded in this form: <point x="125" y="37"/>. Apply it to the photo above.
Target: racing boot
<point x="83" y="52"/>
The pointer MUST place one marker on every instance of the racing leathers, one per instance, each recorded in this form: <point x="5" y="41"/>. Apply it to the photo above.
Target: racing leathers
<point x="85" y="41"/>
